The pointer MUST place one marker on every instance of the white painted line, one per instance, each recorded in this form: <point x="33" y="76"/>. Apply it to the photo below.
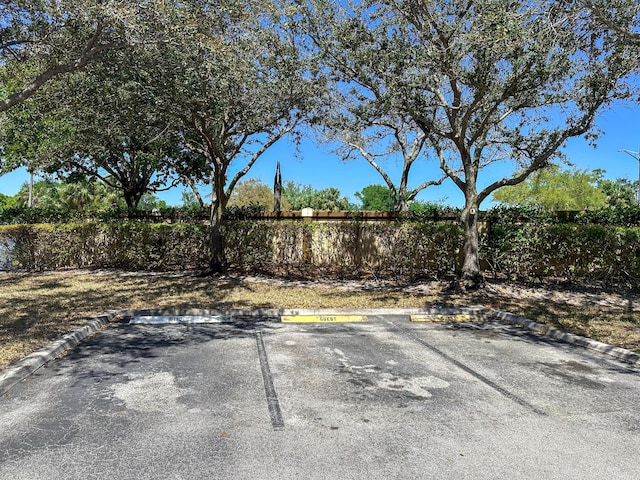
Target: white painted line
<point x="174" y="319"/>
<point x="445" y="317"/>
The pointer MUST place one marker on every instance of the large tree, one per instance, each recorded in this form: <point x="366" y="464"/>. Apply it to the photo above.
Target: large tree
<point x="486" y="81"/>
<point x="254" y="192"/>
<point x="102" y="122"/>
<point x="305" y="196"/>
<point x="118" y="133"/>
<point x="620" y="193"/>
<point x="376" y="198"/>
<point x="554" y="189"/>
<point x="41" y="40"/>
<point x="365" y="125"/>
<point x="356" y="110"/>
<point x="237" y="85"/>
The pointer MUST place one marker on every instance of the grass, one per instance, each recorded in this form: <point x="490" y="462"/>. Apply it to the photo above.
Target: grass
<point x="38" y="308"/>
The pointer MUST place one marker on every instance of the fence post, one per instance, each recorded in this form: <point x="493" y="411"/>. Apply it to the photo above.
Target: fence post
<point x="307" y="238"/>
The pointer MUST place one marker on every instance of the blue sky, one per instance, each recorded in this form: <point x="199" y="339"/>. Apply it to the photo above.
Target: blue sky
<point x="315" y="165"/>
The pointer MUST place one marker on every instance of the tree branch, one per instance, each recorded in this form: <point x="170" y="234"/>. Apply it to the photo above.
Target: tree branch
<point x="600" y="15"/>
<point x="286" y="129"/>
<point x="369" y="158"/>
<point x="91" y="50"/>
<point x="431" y="183"/>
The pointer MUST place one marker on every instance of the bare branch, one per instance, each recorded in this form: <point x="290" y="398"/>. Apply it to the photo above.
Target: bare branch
<point x="274" y="138"/>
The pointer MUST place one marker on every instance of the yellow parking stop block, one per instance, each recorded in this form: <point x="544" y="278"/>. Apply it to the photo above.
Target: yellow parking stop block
<point x="322" y="318"/>
<point x="444" y="317"/>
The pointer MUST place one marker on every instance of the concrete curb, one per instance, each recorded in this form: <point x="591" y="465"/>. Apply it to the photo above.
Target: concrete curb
<point x="28" y="365"/>
<point x="273" y="314"/>
<point x="618" y="353"/>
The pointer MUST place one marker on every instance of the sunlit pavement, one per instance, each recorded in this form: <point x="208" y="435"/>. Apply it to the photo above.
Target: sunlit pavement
<point x="381" y="399"/>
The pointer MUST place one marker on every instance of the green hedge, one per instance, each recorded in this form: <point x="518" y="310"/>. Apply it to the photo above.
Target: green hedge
<point x="622" y="217"/>
<point x="46" y="215"/>
<point x="348" y="248"/>
<point x="581" y="254"/>
<point x="131" y="245"/>
<point x="42" y="215"/>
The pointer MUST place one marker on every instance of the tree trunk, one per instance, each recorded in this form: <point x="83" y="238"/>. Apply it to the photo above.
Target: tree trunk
<point x="400" y="202"/>
<point x="470" y="276"/>
<point x="216" y="245"/>
<point x="216" y="240"/>
<point x="132" y="197"/>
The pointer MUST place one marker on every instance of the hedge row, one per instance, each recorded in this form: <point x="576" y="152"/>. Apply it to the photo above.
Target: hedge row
<point x="129" y="245"/>
<point x="53" y="214"/>
<point x="347" y="249"/>
<point x="581" y="254"/>
<point x="576" y="253"/>
<point x="625" y="217"/>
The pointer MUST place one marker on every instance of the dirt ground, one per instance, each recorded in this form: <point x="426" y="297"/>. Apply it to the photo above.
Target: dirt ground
<point x="36" y="308"/>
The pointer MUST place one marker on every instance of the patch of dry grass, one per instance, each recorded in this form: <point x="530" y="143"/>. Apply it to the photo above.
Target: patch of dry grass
<point x="37" y="308"/>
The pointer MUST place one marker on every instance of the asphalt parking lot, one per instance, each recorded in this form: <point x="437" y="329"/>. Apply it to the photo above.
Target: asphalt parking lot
<point x="383" y="399"/>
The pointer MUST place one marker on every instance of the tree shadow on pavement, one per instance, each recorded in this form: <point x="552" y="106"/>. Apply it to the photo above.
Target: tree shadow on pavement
<point x="121" y="347"/>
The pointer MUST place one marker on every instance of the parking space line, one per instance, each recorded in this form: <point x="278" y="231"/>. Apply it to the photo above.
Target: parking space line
<point x="444" y="317"/>
<point x="411" y="335"/>
<point x="272" y="398"/>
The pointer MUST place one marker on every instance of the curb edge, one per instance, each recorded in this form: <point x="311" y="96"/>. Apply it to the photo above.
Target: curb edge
<point x="22" y="369"/>
<point x="33" y="362"/>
